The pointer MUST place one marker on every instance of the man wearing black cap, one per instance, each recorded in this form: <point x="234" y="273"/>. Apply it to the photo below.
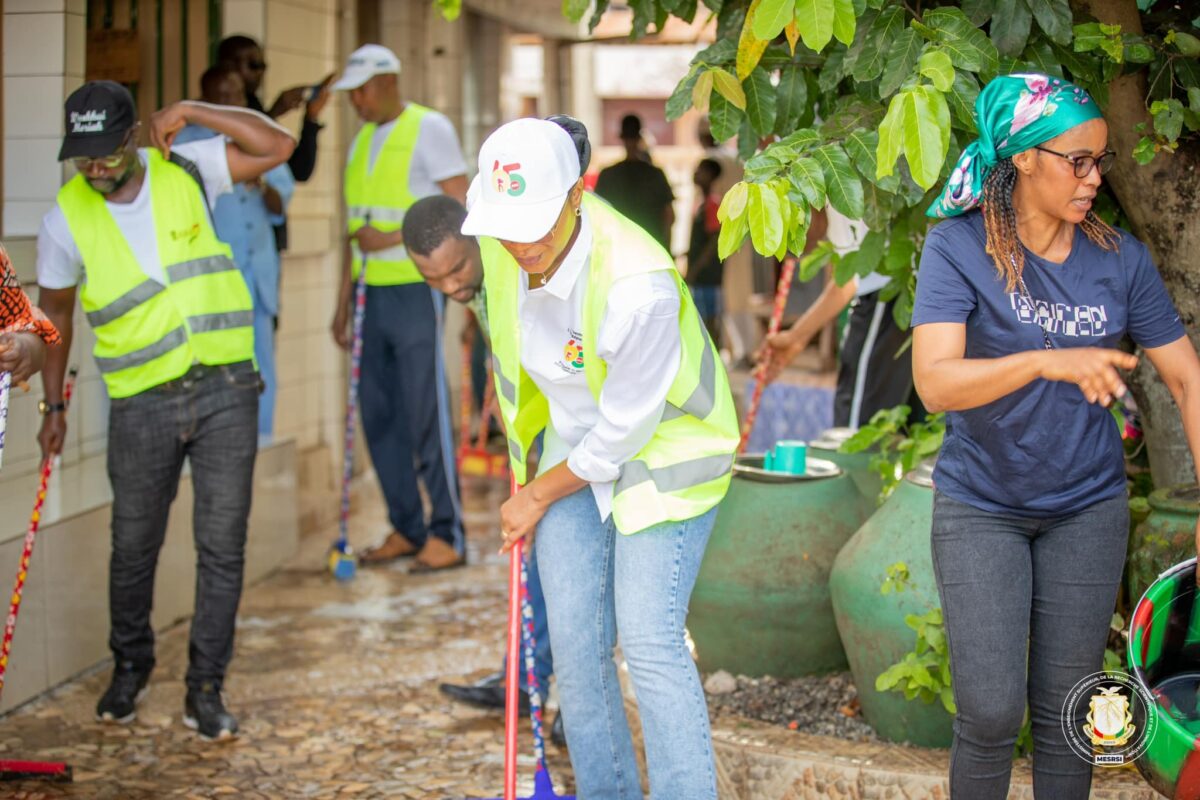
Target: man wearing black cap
<point x="637" y="188"/>
<point x="132" y="236"/>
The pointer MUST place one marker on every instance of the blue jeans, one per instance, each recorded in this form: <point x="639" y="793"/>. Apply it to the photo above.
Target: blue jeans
<point x="598" y="582"/>
<point x="1007" y="582"/>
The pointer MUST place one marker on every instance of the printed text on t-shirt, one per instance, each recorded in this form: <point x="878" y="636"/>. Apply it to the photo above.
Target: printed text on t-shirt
<point x="1060" y="318"/>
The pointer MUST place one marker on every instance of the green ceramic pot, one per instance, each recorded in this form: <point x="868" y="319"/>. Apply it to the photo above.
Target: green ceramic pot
<point x="761" y="604"/>
<point x="856" y="465"/>
<point x="872" y="625"/>
<point x="1165" y="538"/>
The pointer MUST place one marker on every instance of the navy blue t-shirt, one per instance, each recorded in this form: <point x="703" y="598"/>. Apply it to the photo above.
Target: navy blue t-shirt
<point x="1042" y="450"/>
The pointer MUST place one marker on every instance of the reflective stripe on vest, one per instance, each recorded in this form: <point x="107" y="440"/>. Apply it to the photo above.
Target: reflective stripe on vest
<point x="148" y="333"/>
<point x="380" y="193"/>
<point x="685" y="468"/>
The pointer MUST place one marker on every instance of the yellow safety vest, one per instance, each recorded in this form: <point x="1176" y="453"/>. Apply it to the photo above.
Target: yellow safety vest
<point x="381" y="192"/>
<point x="148" y="333"/>
<point x="686" y="467"/>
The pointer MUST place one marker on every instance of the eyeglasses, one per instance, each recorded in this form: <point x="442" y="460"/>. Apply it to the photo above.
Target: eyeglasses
<point x="1083" y="164"/>
<point x="256" y="65"/>
<point x="112" y="161"/>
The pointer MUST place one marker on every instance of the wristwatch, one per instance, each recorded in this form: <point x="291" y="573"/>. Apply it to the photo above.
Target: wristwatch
<point x="45" y="408"/>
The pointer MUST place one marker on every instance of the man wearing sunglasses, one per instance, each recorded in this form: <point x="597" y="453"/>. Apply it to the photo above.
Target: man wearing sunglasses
<point x="131" y="234"/>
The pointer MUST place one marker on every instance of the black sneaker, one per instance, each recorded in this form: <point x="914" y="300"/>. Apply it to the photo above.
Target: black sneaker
<point x="204" y="712"/>
<point x="119" y="703"/>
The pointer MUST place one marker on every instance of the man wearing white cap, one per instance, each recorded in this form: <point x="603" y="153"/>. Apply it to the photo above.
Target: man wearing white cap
<point x="403" y="152"/>
<point x="597" y="342"/>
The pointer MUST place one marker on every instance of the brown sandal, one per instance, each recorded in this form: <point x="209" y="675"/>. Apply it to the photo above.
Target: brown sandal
<point x="393" y="548"/>
<point x="436" y="555"/>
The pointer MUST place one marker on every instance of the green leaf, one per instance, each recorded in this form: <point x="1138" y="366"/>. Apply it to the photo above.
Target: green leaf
<point x="723" y="118"/>
<point x="1188" y="45"/>
<point x="946" y="695"/>
<point x="760" y="102"/>
<point x="681" y="99"/>
<point x="843" y="21"/>
<point x="962" y="98"/>
<point x="841" y="183"/>
<point x="886" y="27"/>
<point x="902" y="56"/>
<point x="936" y="65"/>
<point x="731" y="236"/>
<point x="747" y="141"/>
<point x="1053" y="17"/>
<point x="1010" y="26"/>
<point x="809" y="180"/>
<point x="814" y="261"/>
<point x="770" y="17"/>
<point x="1138" y="52"/>
<point x="1168" y="118"/>
<point x="891" y="142"/>
<point x="1087" y="37"/>
<point x="729" y="87"/>
<point x="575" y="9"/>
<point x="968" y="47"/>
<point x="766" y="221"/>
<point x="833" y="69"/>
<point x="702" y="90"/>
<point x="791" y="98"/>
<point x="849" y="114"/>
<point x="862" y="35"/>
<point x="1040" y="54"/>
<point x="721" y="51"/>
<point x="1193" y="93"/>
<point x="865" y="259"/>
<point x="733" y="204"/>
<point x="814" y="18"/>
<point x="801" y="139"/>
<point x="926" y="129"/>
<point x="978" y="11"/>
<point x="797" y="234"/>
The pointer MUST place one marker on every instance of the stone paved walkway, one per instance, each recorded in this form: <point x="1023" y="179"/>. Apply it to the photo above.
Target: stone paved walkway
<point x="335" y="686"/>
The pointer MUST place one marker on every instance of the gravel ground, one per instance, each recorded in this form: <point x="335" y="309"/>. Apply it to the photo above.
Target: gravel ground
<point x="826" y="705"/>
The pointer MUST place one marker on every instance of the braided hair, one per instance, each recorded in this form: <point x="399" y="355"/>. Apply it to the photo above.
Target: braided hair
<point x="1000" y="224"/>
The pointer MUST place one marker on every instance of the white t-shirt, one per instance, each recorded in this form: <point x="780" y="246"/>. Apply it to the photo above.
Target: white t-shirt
<point x="638" y="341"/>
<point x="436" y="155"/>
<point x="59" y="264"/>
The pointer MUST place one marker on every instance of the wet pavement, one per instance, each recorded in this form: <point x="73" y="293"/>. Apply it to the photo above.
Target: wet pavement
<point x="335" y="687"/>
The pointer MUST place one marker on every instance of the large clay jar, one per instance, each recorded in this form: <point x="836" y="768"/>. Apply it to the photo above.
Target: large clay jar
<point x="761" y="604"/>
<point x="872" y="625"/>
<point x="1165" y="538"/>
<point x="856" y="465"/>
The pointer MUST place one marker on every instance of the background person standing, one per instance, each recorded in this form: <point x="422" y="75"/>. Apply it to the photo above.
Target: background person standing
<point x="403" y="152"/>
<point x="637" y="188"/>
<point x="245" y="218"/>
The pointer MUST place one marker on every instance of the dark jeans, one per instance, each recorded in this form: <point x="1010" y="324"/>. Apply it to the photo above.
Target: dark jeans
<point x="406" y="411"/>
<point x="1007" y="582"/>
<point x="209" y="417"/>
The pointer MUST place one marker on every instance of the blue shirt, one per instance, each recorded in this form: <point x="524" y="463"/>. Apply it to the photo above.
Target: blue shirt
<point x="1042" y="450"/>
<point x="244" y="223"/>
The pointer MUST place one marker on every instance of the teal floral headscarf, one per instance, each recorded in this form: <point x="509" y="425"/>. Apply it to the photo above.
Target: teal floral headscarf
<point x="1013" y="113"/>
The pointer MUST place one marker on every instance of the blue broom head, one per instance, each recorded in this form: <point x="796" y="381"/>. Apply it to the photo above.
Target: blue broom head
<point x="342" y="563"/>
<point x="543" y="789"/>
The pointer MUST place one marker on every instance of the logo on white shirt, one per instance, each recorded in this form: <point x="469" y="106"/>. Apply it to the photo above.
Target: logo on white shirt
<point x="88" y="121"/>
<point x="572" y="360"/>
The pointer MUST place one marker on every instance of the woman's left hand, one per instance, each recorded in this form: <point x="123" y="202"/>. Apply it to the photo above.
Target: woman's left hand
<point x="519" y="517"/>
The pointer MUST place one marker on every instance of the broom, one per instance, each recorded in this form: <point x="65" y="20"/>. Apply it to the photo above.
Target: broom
<point x="475" y="459"/>
<point x="341" y="558"/>
<point x="781" y="295"/>
<point x="30" y="770"/>
<point x="520" y="632"/>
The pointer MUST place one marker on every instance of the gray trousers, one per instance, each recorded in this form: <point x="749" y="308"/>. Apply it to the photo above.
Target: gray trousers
<point x="1027" y="605"/>
<point x="209" y="417"/>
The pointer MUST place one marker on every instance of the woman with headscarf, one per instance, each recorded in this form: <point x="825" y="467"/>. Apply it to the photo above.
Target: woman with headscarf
<point x="596" y="341"/>
<point x="1023" y="297"/>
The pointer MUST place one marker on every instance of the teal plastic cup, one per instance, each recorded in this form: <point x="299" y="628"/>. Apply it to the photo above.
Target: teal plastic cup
<point x="791" y="456"/>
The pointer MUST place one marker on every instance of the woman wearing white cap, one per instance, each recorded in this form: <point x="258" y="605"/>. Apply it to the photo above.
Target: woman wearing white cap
<point x="597" y="342"/>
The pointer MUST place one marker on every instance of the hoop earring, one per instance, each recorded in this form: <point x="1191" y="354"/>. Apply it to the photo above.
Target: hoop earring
<point x="578" y="211"/>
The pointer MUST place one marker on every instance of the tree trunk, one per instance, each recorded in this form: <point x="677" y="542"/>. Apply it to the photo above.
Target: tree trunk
<point x="1162" y="201"/>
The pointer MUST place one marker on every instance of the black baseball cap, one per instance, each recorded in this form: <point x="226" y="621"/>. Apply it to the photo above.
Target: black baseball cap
<point x="98" y="116"/>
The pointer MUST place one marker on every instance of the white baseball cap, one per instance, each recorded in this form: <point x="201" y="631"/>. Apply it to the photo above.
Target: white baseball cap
<point x="365" y="63"/>
<point x="526" y="170"/>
